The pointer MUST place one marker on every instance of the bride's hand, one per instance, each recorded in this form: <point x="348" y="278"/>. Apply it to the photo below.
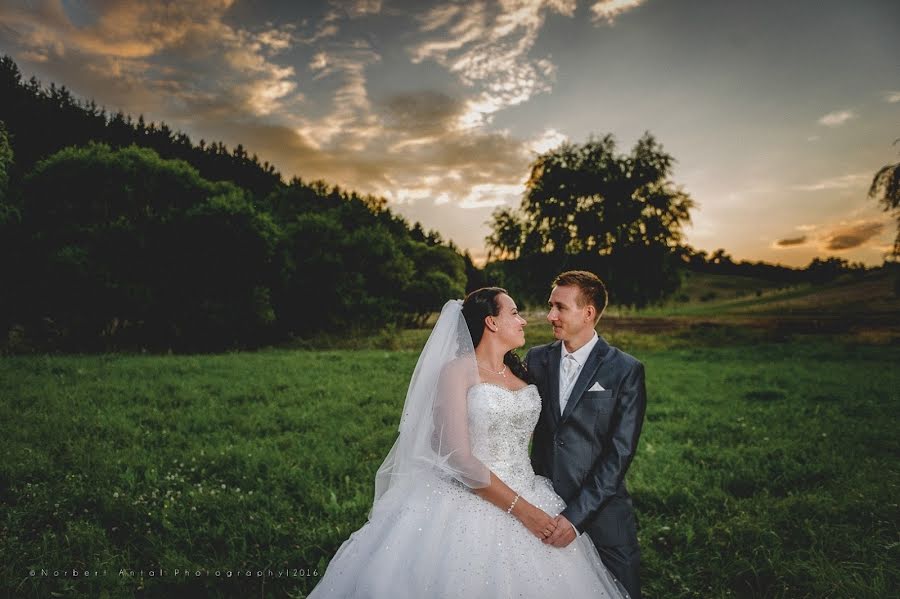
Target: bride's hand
<point x="537" y="521"/>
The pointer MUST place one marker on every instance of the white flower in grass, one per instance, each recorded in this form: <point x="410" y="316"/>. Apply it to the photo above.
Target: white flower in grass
<point x="116" y="495"/>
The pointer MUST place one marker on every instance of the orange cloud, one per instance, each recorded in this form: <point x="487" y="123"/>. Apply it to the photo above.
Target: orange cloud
<point x="791" y="241"/>
<point x="847" y="237"/>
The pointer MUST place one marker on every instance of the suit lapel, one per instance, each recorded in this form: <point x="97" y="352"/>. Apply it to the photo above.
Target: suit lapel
<point x="553" y="356"/>
<point x="595" y="358"/>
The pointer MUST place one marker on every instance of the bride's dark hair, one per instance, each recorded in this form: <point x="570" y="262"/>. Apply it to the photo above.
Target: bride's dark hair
<point x="477" y="306"/>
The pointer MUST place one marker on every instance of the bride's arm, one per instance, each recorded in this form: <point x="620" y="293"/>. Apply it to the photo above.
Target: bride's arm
<point x="452" y="443"/>
<point x="535" y="519"/>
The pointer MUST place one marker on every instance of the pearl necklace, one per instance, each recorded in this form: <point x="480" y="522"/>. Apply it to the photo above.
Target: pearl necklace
<point x="501" y="372"/>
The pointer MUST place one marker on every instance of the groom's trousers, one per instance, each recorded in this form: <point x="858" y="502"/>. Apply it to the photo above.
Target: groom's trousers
<point x="623" y="561"/>
<point x="614" y="533"/>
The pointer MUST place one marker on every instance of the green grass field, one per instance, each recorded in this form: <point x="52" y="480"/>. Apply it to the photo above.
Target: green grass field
<point x="766" y="468"/>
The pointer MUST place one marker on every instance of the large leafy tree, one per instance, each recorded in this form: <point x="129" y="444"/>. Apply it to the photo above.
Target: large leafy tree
<point x="585" y="206"/>
<point x="124" y="245"/>
<point x="886" y="189"/>
<point x="348" y="262"/>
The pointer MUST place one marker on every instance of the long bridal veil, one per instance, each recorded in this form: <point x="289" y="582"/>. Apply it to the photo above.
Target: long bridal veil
<point x="434" y="425"/>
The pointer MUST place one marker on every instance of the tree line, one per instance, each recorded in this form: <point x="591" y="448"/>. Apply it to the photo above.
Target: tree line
<point x="116" y="235"/>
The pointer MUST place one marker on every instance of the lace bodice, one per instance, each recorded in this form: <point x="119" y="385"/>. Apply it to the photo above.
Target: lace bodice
<point x="500" y="426"/>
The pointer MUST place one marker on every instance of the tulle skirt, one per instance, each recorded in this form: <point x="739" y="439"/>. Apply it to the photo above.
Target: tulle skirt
<point x="444" y="541"/>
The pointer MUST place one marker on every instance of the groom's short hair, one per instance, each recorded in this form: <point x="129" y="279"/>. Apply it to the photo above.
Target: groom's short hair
<point x="592" y="290"/>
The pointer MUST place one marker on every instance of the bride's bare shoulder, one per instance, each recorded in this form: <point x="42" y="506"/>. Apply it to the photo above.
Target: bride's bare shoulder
<point x="460" y="369"/>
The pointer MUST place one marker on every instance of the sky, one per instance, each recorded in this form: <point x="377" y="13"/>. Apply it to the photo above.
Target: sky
<point x="778" y="113"/>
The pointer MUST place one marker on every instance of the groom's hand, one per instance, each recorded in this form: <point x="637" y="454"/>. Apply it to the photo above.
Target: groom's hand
<point x="564" y="533"/>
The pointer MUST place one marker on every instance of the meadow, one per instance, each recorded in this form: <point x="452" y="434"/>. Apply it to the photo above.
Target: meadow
<point x="767" y="466"/>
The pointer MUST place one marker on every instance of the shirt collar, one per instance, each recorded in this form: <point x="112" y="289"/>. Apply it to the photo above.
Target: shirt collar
<point x="581" y="354"/>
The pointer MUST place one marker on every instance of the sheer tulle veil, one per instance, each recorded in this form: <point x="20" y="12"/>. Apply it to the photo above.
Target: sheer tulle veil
<point x="434" y="427"/>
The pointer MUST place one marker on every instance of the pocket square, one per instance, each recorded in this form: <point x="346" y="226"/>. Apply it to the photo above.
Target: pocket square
<point x="596" y="387"/>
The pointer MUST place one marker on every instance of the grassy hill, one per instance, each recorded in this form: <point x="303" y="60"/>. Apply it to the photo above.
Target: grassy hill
<point x="708" y="294"/>
<point x="865" y="305"/>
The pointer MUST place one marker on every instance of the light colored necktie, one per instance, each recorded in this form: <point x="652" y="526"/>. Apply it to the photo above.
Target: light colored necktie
<point x="569" y="368"/>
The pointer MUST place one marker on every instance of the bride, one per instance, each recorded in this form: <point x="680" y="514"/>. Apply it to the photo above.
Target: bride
<point x="458" y="510"/>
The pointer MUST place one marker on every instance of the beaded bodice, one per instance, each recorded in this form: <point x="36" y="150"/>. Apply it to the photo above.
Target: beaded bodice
<point x="500" y="425"/>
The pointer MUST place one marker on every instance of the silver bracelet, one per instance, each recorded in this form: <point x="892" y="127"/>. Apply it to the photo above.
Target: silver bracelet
<point x="513" y="504"/>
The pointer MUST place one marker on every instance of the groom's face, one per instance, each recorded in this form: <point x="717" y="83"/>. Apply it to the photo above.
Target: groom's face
<point x="569" y="320"/>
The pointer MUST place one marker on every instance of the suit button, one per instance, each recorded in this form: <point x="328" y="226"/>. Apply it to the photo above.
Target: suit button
<point x="560" y="443"/>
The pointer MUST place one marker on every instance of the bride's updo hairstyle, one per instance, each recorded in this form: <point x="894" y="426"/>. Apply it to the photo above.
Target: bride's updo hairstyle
<point x="477" y="306"/>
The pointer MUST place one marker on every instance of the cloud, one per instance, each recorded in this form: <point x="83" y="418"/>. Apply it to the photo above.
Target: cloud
<point x="489" y="195"/>
<point x="837" y="118"/>
<point x="851" y="236"/>
<point x="892" y="97"/>
<point x="546" y="141"/>
<point x="791" y="241"/>
<point x="422" y="113"/>
<point x="487" y="47"/>
<point x="842" y="182"/>
<point x="127" y="29"/>
<point x="351" y="123"/>
<point x="608" y="10"/>
<point x="361" y="8"/>
<point x="325" y="28"/>
<point x="145" y="56"/>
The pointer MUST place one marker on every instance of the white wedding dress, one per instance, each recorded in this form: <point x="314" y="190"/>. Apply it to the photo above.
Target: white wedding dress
<point x="446" y="541"/>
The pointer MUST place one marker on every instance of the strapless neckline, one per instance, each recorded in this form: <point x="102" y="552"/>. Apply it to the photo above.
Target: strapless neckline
<point x="504" y="388"/>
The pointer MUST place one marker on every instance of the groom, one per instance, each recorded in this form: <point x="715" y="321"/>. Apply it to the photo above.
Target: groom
<point x="587" y="434"/>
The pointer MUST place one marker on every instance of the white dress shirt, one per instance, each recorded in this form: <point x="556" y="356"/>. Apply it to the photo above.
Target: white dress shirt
<point x="580" y="355"/>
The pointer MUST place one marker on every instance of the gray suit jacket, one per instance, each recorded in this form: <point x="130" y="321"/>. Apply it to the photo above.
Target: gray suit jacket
<point x="586" y="450"/>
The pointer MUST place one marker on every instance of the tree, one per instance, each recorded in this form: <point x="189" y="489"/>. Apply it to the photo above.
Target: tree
<point x="223" y="257"/>
<point x="440" y="275"/>
<point x="475" y="277"/>
<point x="585" y="206"/>
<point x="885" y="189"/>
<point x="10" y="272"/>
<point x="124" y="244"/>
<point x="336" y="278"/>
<point x="6" y="161"/>
<point x="821" y="271"/>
